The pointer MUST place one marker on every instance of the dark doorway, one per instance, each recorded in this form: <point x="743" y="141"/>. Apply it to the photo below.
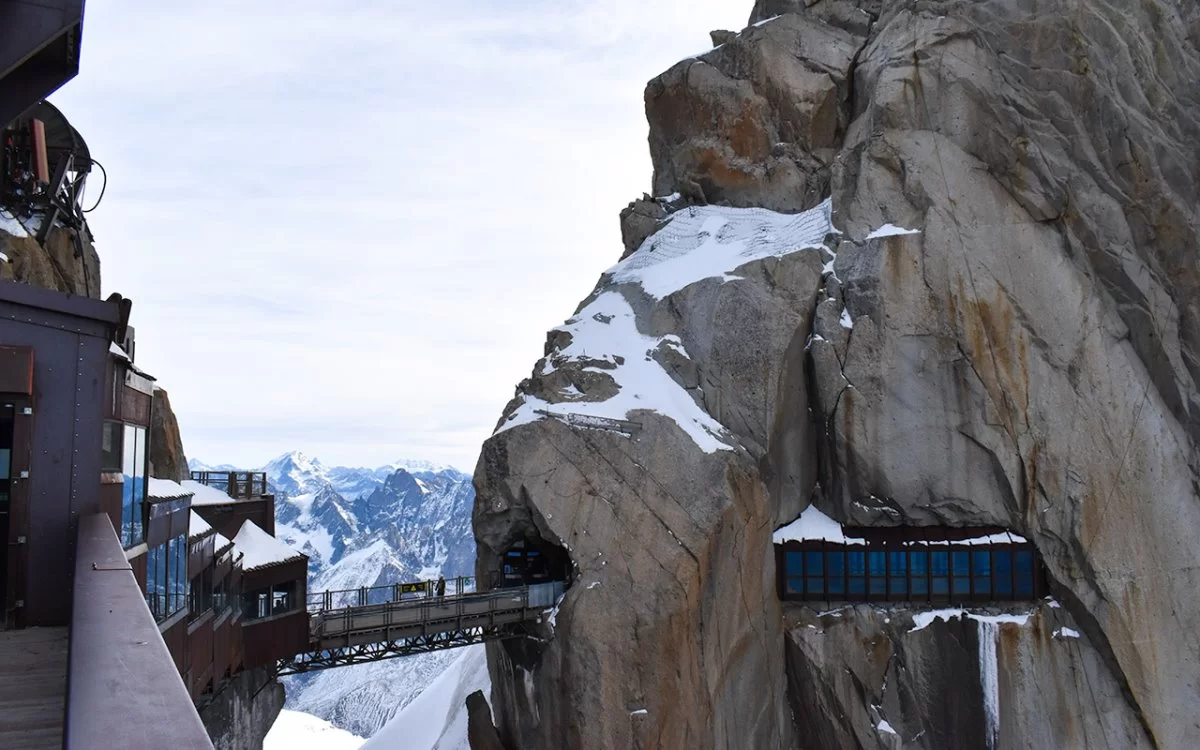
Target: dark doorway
<point x="528" y="563"/>
<point x="7" y="412"/>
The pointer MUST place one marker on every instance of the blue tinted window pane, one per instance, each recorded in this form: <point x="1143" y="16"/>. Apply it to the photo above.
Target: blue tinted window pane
<point x="1024" y="560"/>
<point x="837" y="586"/>
<point x="168" y="589"/>
<point x="983" y="585"/>
<point x="814" y="563"/>
<point x="962" y="562"/>
<point x="898" y="562"/>
<point x="128" y="492"/>
<point x="1002" y="573"/>
<point x="919" y="586"/>
<point x="918" y="563"/>
<point x="941" y="586"/>
<point x="939" y="563"/>
<point x="877" y="562"/>
<point x="795" y="585"/>
<point x="983" y="562"/>
<point x="879" y="586"/>
<point x="139" y="485"/>
<point x="794" y="563"/>
<point x="836" y="562"/>
<point x="898" y="586"/>
<point x="857" y="562"/>
<point x="152" y="580"/>
<point x="185" y="583"/>
<point x="858" y="587"/>
<point x="815" y="585"/>
<point x="962" y="585"/>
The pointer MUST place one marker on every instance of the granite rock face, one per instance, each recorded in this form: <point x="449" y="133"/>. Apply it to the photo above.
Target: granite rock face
<point x="862" y="677"/>
<point x="167" y="459"/>
<point x="241" y="714"/>
<point x="1005" y="332"/>
<point x="61" y="264"/>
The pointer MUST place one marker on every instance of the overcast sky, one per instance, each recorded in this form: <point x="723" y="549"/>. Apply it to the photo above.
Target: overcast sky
<point x="346" y="228"/>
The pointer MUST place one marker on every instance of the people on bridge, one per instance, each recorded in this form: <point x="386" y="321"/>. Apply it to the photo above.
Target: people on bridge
<point x="441" y="587"/>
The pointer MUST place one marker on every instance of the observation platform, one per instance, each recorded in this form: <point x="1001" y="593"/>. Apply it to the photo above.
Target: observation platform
<point x="33" y="687"/>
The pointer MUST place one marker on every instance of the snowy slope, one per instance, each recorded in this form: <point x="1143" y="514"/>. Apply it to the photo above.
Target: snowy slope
<point x="364" y="697"/>
<point x="299" y="731"/>
<point x="437" y="718"/>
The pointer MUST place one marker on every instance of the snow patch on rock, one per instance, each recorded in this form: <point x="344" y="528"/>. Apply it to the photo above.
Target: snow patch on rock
<point x="890" y="230"/>
<point x="606" y="331"/>
<point x="705" y="242"/>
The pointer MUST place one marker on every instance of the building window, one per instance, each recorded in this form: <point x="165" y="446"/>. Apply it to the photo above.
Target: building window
<point x="166" y="578"/>
<point x="202" y="597"/>
<point x="110" y="446"/>
<point x="133" y="489"/>
<point x="276" y="600"/>
<point x="935" y="571"/>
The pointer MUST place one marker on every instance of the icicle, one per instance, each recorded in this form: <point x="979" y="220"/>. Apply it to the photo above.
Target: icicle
<point x="989" y="680"/>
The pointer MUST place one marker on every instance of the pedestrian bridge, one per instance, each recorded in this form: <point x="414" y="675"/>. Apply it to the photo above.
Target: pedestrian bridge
<point x="384" y="622"/>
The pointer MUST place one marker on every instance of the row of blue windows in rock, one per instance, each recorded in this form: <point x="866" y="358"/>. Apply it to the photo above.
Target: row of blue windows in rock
<point x="831" y="572"/>
<point x="166" y="577"/>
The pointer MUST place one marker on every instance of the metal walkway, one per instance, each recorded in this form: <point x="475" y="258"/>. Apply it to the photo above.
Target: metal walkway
<point x="373" y="632"/>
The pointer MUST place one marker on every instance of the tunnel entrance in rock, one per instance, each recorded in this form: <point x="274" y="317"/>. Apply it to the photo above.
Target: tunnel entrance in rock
<point x="528" y="562"/>
<point x="819" y="560"/>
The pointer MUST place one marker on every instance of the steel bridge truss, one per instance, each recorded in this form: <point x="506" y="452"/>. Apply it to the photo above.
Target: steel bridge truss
<point x="343" y="656"/>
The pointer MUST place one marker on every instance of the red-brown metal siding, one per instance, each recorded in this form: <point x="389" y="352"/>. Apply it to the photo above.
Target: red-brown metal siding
<point x="200" y="654"/>
<point x="69" y="337"/>
<point x="16" y="370"/>
<point x="176" y="638"/>
<point x="274" y="638"/>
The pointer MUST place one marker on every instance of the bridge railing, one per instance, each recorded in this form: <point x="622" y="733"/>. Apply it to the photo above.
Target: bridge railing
<point x="439" y="614"/>
<point x="236" y="484"/>
<point x="365" y="596"/>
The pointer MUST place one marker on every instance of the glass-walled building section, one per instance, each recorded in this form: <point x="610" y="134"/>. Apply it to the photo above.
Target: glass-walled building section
<point x="817" y="559"/>
<point x="824" y="571"/>
<point x="133" y="489"/>
<point x="167" y="578"/>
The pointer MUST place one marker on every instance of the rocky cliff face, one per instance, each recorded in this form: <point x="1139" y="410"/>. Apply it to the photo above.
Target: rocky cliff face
<point x="999" y="324"/>
<point x="167" y="459"/>
<point x="66" y="263"/>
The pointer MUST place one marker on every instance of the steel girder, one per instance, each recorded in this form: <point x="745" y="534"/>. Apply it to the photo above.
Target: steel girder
<point x="346" y="655"/>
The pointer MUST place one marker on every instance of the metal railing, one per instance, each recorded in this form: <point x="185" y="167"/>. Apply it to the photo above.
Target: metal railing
<point x="439" y="614"/>
<point x="365" y="596"/>
<point x="237" y="484"/>
<point x="115" y="641"/>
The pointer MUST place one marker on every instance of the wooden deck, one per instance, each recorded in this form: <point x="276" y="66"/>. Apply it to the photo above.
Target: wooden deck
<point x="33" y="688"/>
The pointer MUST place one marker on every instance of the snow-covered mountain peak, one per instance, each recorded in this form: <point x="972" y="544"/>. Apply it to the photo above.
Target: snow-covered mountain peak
<point x="295" y="472"/>
<point x="417" y="466"/>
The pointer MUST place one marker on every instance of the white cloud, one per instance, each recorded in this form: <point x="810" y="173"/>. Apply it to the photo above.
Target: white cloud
<point x="347" y="231"/>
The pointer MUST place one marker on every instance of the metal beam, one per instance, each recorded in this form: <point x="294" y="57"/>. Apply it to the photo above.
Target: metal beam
<point x="370" y="652"/>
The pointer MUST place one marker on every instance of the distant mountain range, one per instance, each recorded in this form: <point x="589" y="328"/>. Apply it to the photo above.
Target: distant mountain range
<point x="406" y="521"/>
